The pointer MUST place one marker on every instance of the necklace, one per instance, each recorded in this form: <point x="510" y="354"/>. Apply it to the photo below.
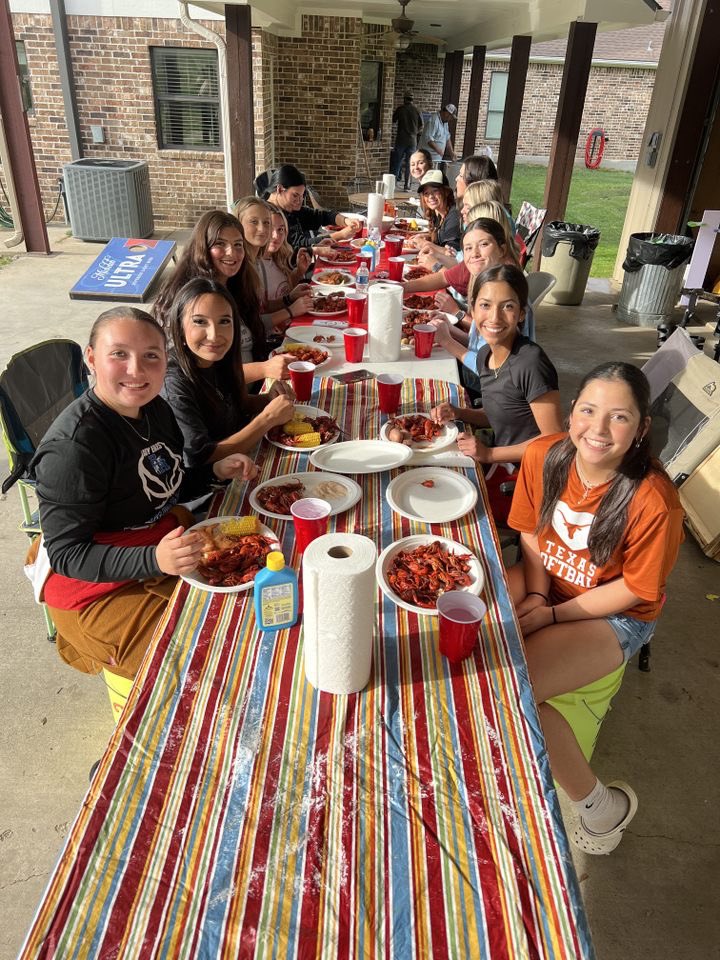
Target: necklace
<point x="496" y="370"/>
<point x="146" y="421"/>
<point x="586" y="485"/>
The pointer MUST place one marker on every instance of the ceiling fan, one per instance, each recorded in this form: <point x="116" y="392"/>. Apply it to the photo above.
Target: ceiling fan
<point x="403" y="27"/>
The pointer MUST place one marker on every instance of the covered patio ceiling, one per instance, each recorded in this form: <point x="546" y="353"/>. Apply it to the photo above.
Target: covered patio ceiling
<point x="460" y="24"/>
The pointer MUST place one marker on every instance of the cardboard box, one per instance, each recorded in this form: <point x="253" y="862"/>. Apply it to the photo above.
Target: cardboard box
<point x="700" y="497"/>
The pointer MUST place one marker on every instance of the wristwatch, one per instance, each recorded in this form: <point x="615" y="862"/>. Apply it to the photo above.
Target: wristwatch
<point x="460" y="314"/>
<point x="436" y="267"/>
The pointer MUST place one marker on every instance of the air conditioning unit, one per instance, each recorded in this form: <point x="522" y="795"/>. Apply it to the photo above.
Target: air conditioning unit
<point x="108" y="198"/>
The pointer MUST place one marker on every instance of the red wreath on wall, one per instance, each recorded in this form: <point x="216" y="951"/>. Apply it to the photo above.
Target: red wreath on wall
<point x="595" y="147"/>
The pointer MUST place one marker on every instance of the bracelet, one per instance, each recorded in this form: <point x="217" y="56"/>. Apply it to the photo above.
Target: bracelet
<point x="287" y="299"/>
<point x="536" y="593"/>
<point x="289" y="313"/>
<point x="553" y="613"/>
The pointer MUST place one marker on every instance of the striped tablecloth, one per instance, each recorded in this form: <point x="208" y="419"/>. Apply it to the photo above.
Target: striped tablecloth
<point x="239" y="813"/>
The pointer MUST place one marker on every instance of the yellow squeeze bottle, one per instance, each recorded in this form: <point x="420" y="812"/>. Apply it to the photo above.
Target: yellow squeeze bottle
<point x="276" y="594"/>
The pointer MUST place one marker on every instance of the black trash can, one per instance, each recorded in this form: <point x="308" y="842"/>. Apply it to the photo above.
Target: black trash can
<point x="567" y="252"/>
<point x="654" y="267"/>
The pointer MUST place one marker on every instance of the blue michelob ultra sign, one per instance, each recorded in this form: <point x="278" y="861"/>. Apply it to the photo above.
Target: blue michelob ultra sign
<point x="126" y="269"/>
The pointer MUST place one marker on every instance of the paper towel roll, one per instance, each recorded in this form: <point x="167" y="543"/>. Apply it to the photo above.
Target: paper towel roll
<point x="385" y="302"/>
<point x="376" y="208"/>
<point x="339" y="590"/>
<point x="389" y="181"/>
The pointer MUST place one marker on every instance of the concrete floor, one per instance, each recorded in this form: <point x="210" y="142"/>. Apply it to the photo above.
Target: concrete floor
<point x="655" y="898"/>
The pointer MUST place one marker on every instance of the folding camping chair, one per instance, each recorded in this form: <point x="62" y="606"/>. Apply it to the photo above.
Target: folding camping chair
<point x="35" y="387"/>
<point x="539" y="284"/>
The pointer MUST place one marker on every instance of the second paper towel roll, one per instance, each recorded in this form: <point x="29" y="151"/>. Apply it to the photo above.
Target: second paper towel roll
<point x="339" y="589"/>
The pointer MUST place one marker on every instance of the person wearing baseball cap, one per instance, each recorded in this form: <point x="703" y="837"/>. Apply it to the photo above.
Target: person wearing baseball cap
<point x="435" y="135"/>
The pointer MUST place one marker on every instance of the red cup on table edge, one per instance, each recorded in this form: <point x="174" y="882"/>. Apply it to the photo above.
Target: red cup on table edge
<point x="389" y="388"/>
<point x="460" y="615"/>
<point x="355" y="340"/>
<point x="424" y="334"/>
<point x="310" y="519"/>
<point x="365" y="258"/>
<point x="396" y="265"/>
<point x="393" y="245"/>
<point x="301" y="376"/>
<point x="355" y="303"/>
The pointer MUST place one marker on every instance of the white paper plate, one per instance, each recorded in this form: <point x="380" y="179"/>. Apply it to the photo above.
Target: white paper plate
<point x="311" y="482"/>
<point x="448" y="436"/>
<point x="359" y="243"/>
<point x="420" y="221"/>
<point x="196" y="580"/>
<point x="322" y="313"/>
<point x="307" y="411"/>
<point x="415" y="266"/>
<point x="361" y="456"/>
<point x="318" y="346"/>
<point x="348" y="279"/>
<point x="329" y="263"/>
<point x="451" y="497"/>
<point x="305" y="335"/>
<point x="410" y="543"/>
<point x="354" y="216"/>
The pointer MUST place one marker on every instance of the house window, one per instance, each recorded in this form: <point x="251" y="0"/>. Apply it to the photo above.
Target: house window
<point x="24" y="76"/>
<point x="496" y="105"/>
<point x="187" y="100"/>
<point x="371" y="83"/>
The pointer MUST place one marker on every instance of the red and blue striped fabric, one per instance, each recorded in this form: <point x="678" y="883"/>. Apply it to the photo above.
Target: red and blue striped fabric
<point x="238" y="812"/>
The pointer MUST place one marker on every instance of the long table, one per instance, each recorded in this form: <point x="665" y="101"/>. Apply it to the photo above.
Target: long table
<point x="238" y="812"/>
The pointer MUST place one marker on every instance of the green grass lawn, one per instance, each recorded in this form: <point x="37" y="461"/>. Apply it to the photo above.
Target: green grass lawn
<point x="598" y="198"/>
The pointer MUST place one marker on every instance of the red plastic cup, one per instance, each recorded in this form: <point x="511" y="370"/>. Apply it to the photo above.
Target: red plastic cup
<point x="393" y="245"/>
<point x="301" y="376"/>
<point x="365" y="258"/>
<point x="355" y="340"/>
<point x="356" y="303"/>
<point x="460" y="617"/>
<point x="310" y="518"/>
<point x="395" y="268"/>
<point x="389" y="388"/>
<point x="424" y="334"/>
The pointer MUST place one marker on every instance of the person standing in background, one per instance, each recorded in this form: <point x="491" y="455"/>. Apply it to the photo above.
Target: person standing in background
<point x="435" y="135"/>
<point x="409" y="126"/>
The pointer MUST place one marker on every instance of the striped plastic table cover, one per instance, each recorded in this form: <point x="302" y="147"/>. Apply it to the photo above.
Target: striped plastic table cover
<point x="238" y="812"/>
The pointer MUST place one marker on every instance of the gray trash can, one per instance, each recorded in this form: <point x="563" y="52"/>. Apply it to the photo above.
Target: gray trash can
<point x="654" y="267"/>
<point x="567" y="252"/>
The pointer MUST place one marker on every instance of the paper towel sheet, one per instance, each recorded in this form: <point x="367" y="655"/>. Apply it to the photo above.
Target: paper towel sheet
<point x="449" y="458"/>
<point x="385" y="302"/>
<point x="339" y="590"/>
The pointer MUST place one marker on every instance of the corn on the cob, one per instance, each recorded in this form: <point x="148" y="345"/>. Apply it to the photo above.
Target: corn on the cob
<point x="296" y="428"/>
<point x="240" y="526"/>
<point x="308" y="440"/>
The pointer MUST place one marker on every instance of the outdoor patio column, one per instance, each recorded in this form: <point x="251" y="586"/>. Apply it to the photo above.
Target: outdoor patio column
<point x="578" y="60"/>
<point x="238" y="36"/>
<point x="17" y="135"/>
<point x="517" y="76"/>
<point x="473" y="102"/>
<point x="452" y="79"/>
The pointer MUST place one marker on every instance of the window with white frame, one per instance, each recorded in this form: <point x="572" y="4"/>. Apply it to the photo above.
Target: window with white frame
<point x="496" y="105"/>
<point x="187" y="98"/>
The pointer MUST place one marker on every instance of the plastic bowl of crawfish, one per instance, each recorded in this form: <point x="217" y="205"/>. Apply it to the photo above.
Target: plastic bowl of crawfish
<point x="230" y="561"/>
<point x="415" y="571"/>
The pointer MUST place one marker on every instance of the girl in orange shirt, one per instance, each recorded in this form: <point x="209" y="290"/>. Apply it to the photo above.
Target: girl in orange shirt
<point x="600" y="526"/>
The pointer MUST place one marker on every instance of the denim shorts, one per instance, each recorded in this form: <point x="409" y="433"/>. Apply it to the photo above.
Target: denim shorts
<point x="631" y="633"/>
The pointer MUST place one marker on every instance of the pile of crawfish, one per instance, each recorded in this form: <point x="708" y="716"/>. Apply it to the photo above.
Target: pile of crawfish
<point x="230" y="560"/>
<point x="279" y="497"/>
<point x="411" y="318"/>
<point x="338" y="255"/>
<point x="415" y="428"/>
<point x="321" y="338"/>
<point x="421" y="575"/>
<point x="329" y="303"/>
<point x="416" y="301"/>
<point x="309" y="354"/>
<point x="414" y="273"/>
<point x="325" y="426"/>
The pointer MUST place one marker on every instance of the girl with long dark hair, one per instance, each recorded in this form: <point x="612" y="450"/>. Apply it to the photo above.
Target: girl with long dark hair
<point x="600" y="526"/>
<point x="204" y="382"/>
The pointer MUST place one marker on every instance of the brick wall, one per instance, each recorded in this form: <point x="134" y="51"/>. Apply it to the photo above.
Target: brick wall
<point x="420" y="72"/>
<point x="317" y="78"/>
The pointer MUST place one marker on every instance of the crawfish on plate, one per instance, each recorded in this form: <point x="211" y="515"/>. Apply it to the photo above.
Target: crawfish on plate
<point x="309" y="354"/>
<point x="417" y="302"/>
<point x="421" y="575"/>
<point x="230" y="560"/>
<point x="329" y="303"/>
<point x="415" y="428"/>
<point x="279" y="497"/>
<point x="326" y="426"/>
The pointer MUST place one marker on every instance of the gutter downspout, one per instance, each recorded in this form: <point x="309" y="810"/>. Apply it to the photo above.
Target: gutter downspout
<point x="219" y="42"/>
<point x="18" y="236"/>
